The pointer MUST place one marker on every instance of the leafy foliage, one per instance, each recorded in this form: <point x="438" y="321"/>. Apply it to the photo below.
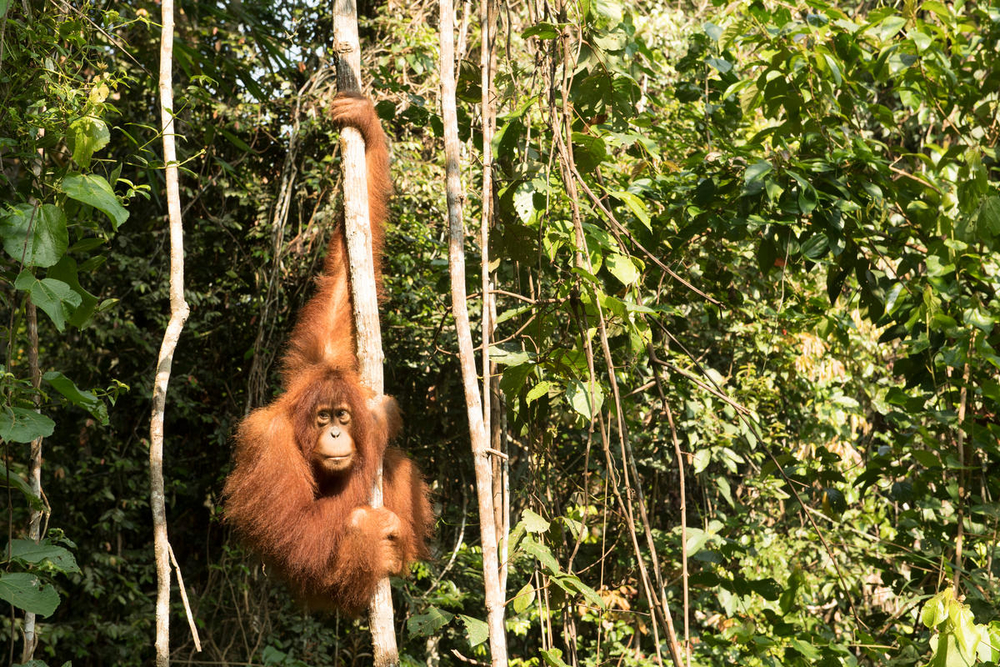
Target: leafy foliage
<point x="757" y="242"/>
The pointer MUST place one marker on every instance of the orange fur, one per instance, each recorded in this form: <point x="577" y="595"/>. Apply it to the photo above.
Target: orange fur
<point x="318" y="531"/>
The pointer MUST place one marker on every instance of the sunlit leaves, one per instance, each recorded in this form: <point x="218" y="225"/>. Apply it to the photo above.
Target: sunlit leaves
<point x="429" y="623"/>
<point x="958" y="639"/>
<point x="476" y="631"/>
<point x="87" y="136"/>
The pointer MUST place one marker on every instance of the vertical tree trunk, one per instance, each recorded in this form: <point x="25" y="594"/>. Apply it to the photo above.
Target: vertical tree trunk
<point x="492" y="398"/>
<point x="34" y="472"/>
<point x="474" y="407"/>
<point x="178" y="315"/>
<point x="359" y="254"/>
<point x="35" y="453"/>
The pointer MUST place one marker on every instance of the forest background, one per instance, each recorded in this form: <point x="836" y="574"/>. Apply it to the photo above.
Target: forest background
<point x="762" y="419"/>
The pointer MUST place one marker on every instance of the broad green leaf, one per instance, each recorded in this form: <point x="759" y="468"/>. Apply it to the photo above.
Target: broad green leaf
<point x="428" y="624"/>
<point x="24" y="424"/>
<point x="935" y="610"/>
<point x="17" y="482"/>
<point x="94" y="190"/>
<point x="979" y="318"/>
<point x="589" y="151"/>
<point x="988" y="222"/>
<point x="808" y="651"/>
<point x="513" y="379"/>
<point x="578" y="395"/>
<point x="542" y="30"/>
<point x="574" y="582"/>
<point x="536" y="392"/>
<point x="720" y="64"/>
<point x="524" y="598"/>
<point x="541" y="553"/>
<point x="609" y="9"/>
<point x="78" y="397"/>
<point x="697" y="538"/>
<point x="553" y="657"/>
<point x="25" y="591"/>
<point x="622" y="268"/>
<point x="701" y="460"/>
<point x="634" y="204"/>
<point x="59" y="557"/>
<point x="524" y="202"/>
<point x="509" y="357"/>
<point x="54" y="297"/>
<point x="65" y="270"/>
<point x="533" y="523"/>
<point x="87" y="135"/>
<point x="756" y="171"/>
<point x="476" y="631"/>
<point x="38" y="235"/>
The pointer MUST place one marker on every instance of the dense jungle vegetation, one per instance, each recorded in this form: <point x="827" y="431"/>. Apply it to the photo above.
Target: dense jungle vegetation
<point x="757" y="426"/>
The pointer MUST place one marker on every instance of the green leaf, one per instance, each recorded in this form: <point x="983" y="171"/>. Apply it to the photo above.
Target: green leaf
<point x="524" y="201"/>
<point x="476" y="631"/>
<point x="578" y="395"/>
<point x="541" y="30"/>
<point x="53" y="296"/>
<point x="428" y="624"/>
<point x="38" y="235"/>
<point x="634" y="204"/>
<point x="935" y="610"/>
<point x="608" y="9"/>
<point x="720" y="64"/>
<point x="574" y="582"/>
<point x="25" y="591"/>
<point x="756" y="171"/>
<point x="524" y="598"/>
<point x="533" y="523"/>
<point x="701" y="460"/>
<point x="767" y="253"/>
<point x="622" y="268"/>
<point x="24" y="425"/>
<point x="30" y="552"/>
<point x="589" y="151"/>
<point x="87" y="135"/>
<point x="808" y="651"/>
<point x="541" y="553"/>
<point x="553" y="657"/>
<point x="988" y="222"/>
<point x="78" y="397"/>
<point x="65" y="270"/>
<point x="17" y="482"/>
<point x="94" y="190"/>
<point x="536" y="392"/>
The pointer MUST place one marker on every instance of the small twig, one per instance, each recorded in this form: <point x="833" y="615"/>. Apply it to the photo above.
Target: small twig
<point x="184" y="599"/>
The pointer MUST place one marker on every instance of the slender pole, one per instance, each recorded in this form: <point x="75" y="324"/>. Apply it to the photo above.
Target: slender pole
<point x="178" y="315"/>
<point x="473" y="402"/>
<point x="357" y="230"/>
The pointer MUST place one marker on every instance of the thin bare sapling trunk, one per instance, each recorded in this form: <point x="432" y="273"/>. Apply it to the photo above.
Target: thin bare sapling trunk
<point x="178" y="315"/>
<point x="34" y="473"/>
<point x="357" y="231"/>
<point x="473" y="402"/>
